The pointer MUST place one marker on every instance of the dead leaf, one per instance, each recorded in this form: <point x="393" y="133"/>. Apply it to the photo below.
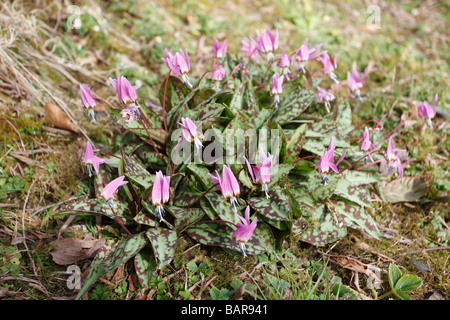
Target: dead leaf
<point x="57" y="117"/>
<point x="404" y="189"/>
<point x="26" y="160"/>
<point x="354" y="265"/>
<point x="71" y="250"/>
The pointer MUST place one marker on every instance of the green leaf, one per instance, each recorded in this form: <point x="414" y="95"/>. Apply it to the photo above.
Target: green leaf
<point x="295" y="142"/>
<point x="293" y="105"/>
<point x="219" y="234"/>
<point x="135" y="171"/>
<point x="394" y="275"/>
<point x="222" y="207"/>
<point x="184" y="217"/>
<point x="164" y="243"/>
<point x="355" y="217"/>
<point x="323" y="192"/>
<point x="408" y="283"/>
<point x="341" y="291"/>
<point x="145" y="265"/>
<point x="109" y="257"/>
<point x="275" y="208"/>
<point x="201" y="175"/>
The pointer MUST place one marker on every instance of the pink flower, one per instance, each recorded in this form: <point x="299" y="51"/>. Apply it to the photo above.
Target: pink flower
<point x="277" y="89"/>
<point x="129" y="114"/>
<point x="428" y="112"/>
<point x="218" y="74"/>
<point x="160" y="193"/>
<point x="125" y="91"/>
<point x="365" y="145"/>
<point x="391" y="153"/>
<point x="378" y="126"/>
<point x="228" y="185"/>
<point x="261" y="173"/>
<point x="251" y="48"/>
<point x="88" y="101"/>
<point x="329" y="65"/>
<point x="219" y="50"/>
<point x="355" y="82"/>
<point x="326" y="163"/>
<point x="284" y="63"/>
<point x="191" y="133"/>
<point x="304" y="54"/>
<point x="110" y="190"/>
<point x="244" y="230"/>
<point x="91" y="160"/>
<point x="178" y="64"/>
<point x="323" y="96"/>
<point x="267" y="43"/>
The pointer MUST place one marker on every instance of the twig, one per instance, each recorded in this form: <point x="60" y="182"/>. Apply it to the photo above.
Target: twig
<point x="23" y="228"/>
<point x="164" y="100"/>
<point x="427" y="249"/>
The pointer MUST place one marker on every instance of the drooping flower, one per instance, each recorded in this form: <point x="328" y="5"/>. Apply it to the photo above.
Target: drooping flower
<point x="428" y="112"/>
<point x="329" y="65"/>
<point x="129" y="114"/>
<point x="378" y="126"/>
<point x="391" y="153"/>
<point x="219" y="50"/>
<point x="277" y="88"/>
<point x="178" y="64"/>
<point x="192" y="133"/>
<point x="218" y="74"/>
<point x="251" y="48"/>
<point x="92" y="161"/>
<point x="125" y="91"/>
<point x="244" y="230"/>
<point x="284" y="63"/>
<point x="88" y="101"/>
<point x="262" y="172"/>
<point x="304" y="54"/>
<point x="355" y="82"/>
<point x="267" y="43"/>
<point x="326" y="163"/>
<point x="228" y="185"/>
<point x="365" y="145"/>
<point x="323" y="96"/>
<point x="110" y="190"/>
<point x="160" y="193"/>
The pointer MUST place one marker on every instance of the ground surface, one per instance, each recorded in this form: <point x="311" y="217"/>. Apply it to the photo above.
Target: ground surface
<point x="43" y="60"/>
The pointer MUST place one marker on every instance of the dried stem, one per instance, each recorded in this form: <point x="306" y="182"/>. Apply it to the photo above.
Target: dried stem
<point x="164" y="100"/>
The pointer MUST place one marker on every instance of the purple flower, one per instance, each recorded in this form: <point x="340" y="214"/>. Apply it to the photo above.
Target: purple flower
<point x="160" y="193"/>
<point x="178" y="64"/>
<point x="326" y="163"/>
<point x="365" y="145"/>
<point x="323" y="96"/>
<point x="267" y="43"/>
<point x="391" y="153"/>
<point x="129" y="114"/>
<point x="329" y="65"/>
<point x="355" y="82"/>
<point x="304" y="54"/>
<point x="218" y="74"/>
<point x="284" y="63"/>
<point x="228" y="185"/>
<point x="125" y="91"/>
<point x="277" y="88"/>
<point x="191" y="133"/>
<point x="110" y="190"/>
<point x="219" y="50"/>
<point x="261" y="173"/>
<point x="244" y="230"/>
<point x="251" y="48"/>
<point x="91" y="160"/>
<point x="378" y="126"/>
<point x="428" y="112"/>
<point x="88" y="101"/>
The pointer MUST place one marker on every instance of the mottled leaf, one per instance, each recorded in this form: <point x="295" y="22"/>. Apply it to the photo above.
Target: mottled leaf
<point x="295" y="142"/>
<point x="293" y="105"/>
<point x="164" y="243"/>
<point x="184" y="217"/>
<point x="275" y="208"/>
<point x="145" y="265"/>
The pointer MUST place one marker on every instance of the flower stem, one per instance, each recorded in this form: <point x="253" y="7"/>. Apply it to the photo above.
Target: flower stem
<point x="104" y="101"/>
<point x="369" y="164"/>
<point x="305" y="158"/>
<point x="150" y="138"/>
<point x="164" y="100"/>
<point x="361" y="159"/>
<point x="121" y="223"/>
<point x="343" y="83"/>
<point x="398" y="126"/>
<point x="371" y="120"/>
<point x="201" y="196"/>
<point x="198" y="83"/>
